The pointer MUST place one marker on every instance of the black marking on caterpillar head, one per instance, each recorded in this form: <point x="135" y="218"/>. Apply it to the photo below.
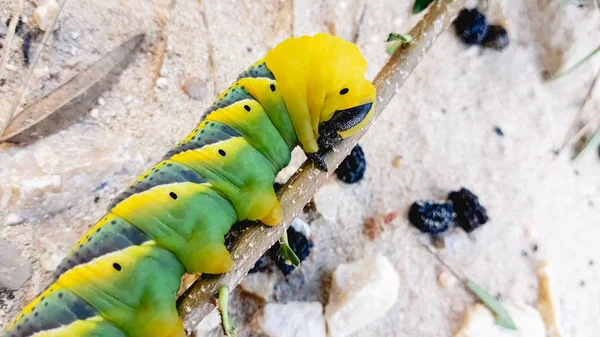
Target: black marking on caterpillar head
<point x="341" y="120"/>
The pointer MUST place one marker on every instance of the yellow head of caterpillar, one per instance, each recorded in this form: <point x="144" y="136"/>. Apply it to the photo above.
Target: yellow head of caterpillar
<point x="321" y="79"/>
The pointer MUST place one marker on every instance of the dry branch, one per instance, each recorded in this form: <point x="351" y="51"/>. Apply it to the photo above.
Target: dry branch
<point x="199" y="300"/>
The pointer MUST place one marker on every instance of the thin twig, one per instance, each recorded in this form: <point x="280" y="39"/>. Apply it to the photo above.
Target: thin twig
<point x="568" y="140"/>
<point x="359" y="23"/>
<point x="11" y="34"/>
<point x="198" y="301"/>
<point x="13" y="108"/>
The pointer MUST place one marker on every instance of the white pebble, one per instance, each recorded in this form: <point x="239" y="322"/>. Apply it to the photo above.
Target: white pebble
<point x="13" y="219"/>
<point x="194" y="87"/>
<point x="10" y="67"/>
<point x="361" y="292"/>
<point x="101" y="101"/>
<point x="161" y="83"/>
<point x="208" y="324"/>
<point x="302" y="227"/>
<point x="45" y="13"/>
<point x="74" y="35"/>
<point x="95" y="113"/>
<point x="480" y="321"/>
<point x="294" y="319"/>
<point x="260" y="285"/>
<point x="447" y="280"/>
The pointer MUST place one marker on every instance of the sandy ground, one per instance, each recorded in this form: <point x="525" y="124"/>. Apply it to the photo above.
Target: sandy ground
<point x="442" y="125"/>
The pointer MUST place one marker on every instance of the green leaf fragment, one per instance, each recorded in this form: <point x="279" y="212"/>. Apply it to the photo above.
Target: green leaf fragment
<point x="396" y="40"/>
<point x="222" y="304"/>
<point x="503" y="319"/>
<point x="288" y="255"/>
<point x="420" y="5"/>
<point x="575" y="66"/>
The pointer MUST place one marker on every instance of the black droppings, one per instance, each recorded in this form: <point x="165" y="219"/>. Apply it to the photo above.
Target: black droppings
<point x="222" y="152"/>
<point x="344" y="91"/>
<point x="272" y="86"/>
<point x="173" y="195"/>
<point x="117" y="266"/>
<point x="496" y="38"/>
<point x="247" y="108"/>
<point x="469" y="212"/>
<point x="96" y="199"/>
<point x="431" y="217"/>
<point x="498" y="131"/>
<point x="353" y="168"/>
<point x="471" y="26"/>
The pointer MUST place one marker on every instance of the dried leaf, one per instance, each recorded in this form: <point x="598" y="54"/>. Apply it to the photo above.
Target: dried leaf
<point x="502" y="317"/>
<point x="70" y="101"/>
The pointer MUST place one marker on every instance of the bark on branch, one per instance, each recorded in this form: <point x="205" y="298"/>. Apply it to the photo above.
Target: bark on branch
<point x="199" y="299"/>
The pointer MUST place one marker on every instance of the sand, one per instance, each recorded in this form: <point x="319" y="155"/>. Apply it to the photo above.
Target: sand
<point x="442" y="125"/>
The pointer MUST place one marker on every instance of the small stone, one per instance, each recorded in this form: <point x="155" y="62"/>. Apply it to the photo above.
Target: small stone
<point x="208" y="324"/>
<point x="302" y="227"/>
<point x="15" y="270"/>
<point x="45" y="14"/>
<point x="95" y="113"/>
<point x="293" y="319"/>
<point x="194" y="87"/>
<point x="75" y="35"/>
<point x="161" y="83"/>
<point x="479" y="321"/>
<point x="10" y="67"/>
<point x="101" y="101"/>
<point x="13" y="219"/>
<point x="260" y="285"/>
<point x="447" y="280"/>
<point x="361" y="292"/>
<point x="397" y="161"/>
<point x="339" y="250"/>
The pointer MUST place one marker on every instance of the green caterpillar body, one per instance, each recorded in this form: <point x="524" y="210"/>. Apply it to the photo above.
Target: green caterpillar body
<point x="122" y="277"/>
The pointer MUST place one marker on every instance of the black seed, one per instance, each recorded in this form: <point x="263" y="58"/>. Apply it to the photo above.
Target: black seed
<point x="272" y="86"/>
<point x="471" y="26"/>
<point x="496" y="38"/>
<point x="222" y="153"/>
<point x="498" y="131"/>
<point x="117" y="266"/>
<point x="353" y="168"/>
<point x="173" y="195"/>
<point x="469" y="213"/>
<point x="247" y="107"/>
<point x="344" y="91"/>
<point x="431" y="217"/>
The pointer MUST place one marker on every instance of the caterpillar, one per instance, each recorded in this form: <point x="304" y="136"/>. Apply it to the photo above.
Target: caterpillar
<point x="121" y="278"/>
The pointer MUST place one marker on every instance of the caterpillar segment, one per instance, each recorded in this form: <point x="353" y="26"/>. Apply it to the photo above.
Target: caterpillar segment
<point x="122" y="277"/>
